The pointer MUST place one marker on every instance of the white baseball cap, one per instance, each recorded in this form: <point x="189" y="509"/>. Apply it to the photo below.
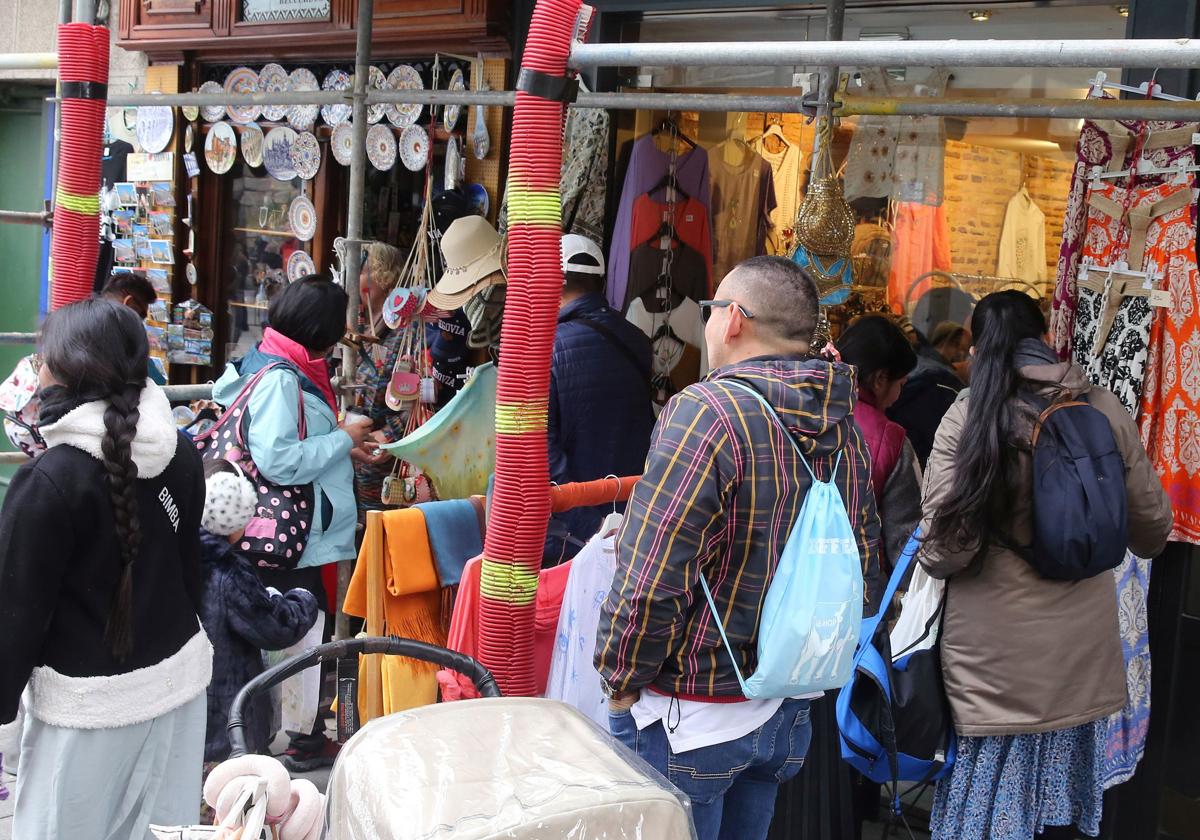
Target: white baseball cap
<point x="581" y="255"/>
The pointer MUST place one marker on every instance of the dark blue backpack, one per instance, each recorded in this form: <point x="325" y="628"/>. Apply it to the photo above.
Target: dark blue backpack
<point x="893" y="718"/>
<point x="1080" y="526"/>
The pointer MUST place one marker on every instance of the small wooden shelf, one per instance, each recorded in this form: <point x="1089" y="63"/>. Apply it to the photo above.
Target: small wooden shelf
<point x="284" y="233"/>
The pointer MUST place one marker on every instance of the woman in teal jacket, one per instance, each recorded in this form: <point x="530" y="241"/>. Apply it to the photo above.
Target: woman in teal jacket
<point x="307" y="319"/>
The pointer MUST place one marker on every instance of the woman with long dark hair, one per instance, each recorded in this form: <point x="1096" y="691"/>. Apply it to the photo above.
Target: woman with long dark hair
<point x="99" y="593"/>
<point x="1032" y="666"/>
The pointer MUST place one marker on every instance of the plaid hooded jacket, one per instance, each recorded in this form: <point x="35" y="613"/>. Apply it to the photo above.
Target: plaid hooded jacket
<point x="721" y="490"/>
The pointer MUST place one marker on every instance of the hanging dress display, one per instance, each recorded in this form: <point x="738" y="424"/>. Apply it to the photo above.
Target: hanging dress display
<point x="1023" y="242"/>
<point x="1125" y="735"/>
<point x="787" y="164"/>
<point x="648" y="167"/>
<point x="743" y="198"/>
<point x="920" y="244"/>
<point x="898" y="157"/>
<point x="1145" y="229"/>
<point x="1110" y="145"/>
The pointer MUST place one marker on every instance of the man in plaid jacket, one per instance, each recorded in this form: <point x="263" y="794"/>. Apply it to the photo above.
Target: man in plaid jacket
<point x="721" y="490"/>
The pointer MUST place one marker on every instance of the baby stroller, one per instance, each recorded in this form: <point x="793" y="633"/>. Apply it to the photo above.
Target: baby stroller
<point x="485" y="769"/>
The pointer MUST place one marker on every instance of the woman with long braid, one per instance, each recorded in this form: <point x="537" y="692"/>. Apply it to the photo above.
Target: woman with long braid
<point x="99" y="589"/>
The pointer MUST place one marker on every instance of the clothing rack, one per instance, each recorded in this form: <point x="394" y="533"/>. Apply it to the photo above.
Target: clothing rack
<point x="591" y="493"/>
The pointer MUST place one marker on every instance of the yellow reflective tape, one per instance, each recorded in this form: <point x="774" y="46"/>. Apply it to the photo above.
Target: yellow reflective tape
<point x="86" y="204"/>
<point x="509" y="582"/>
<point x="522" y="417"/>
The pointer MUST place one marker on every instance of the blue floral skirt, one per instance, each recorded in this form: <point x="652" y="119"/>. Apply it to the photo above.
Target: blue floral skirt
<point x="1011" y="787"/>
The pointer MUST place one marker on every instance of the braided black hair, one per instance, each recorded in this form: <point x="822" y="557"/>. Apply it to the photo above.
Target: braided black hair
<point x="97" y="350"/>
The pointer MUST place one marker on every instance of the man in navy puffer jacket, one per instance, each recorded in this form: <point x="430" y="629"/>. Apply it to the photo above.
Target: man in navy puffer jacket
<point x="600" y="410"/>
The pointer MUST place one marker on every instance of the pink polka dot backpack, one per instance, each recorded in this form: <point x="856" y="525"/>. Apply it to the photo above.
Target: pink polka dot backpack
<point x="276" y="536"/>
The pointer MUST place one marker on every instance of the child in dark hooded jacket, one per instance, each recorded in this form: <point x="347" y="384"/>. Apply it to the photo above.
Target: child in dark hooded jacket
<point x="241" y="616"/>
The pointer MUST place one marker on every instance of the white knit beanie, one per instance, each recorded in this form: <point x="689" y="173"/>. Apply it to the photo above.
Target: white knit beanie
<point x="229" y="503"/>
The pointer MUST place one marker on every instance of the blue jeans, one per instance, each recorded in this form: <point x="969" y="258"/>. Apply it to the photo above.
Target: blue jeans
<point x="733" y="785"/>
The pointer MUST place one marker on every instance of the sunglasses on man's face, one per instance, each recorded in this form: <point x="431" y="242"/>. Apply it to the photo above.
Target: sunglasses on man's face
<point x="707" y="306"/>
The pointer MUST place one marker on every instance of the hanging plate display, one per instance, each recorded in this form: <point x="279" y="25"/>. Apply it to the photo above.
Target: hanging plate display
<point x="381" y="147"/>
<point x="404" y="77"/>
<point x="478" y="196"/>
<point x="252" y="144"/>
<point x="190" y="113"/>
<point x="190" y="273"/>
<point x="277" y="153"/>
<point x="306" y="155"/>
<point x="376" y="81"/>
<point x="155" y="127"/>
<point x="212" y="113"/>
<point x="341" y="144"/>
<point x="299" y="265"/>
<point x="242" y="80"/>
<point x="452" y="175"/>
<point x="303" y="117"/>
<point x="273" y="79"/>
<point x="302" y="216"/>
<point x="414" y="148"/>
<point x="451" y="113"/>
<point x="220" y="147"/>
<point x="335" y="115"/>
<point x="189" y="138"/>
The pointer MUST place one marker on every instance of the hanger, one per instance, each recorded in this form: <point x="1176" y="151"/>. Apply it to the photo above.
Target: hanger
<point x="1150" y="90"/>
<point x="668" y="124"/>
<point x="669" y="182"/>
<point x="1180" y="170"/>
<point x="613" y="520"/>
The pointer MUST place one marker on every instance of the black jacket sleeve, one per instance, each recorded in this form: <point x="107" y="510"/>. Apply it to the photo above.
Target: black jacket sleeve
<point x="37" y="541"/>
<point x="270" y="622"/>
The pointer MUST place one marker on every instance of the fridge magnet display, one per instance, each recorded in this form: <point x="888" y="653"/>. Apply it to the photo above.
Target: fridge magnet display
<point x="155" y="127"/>
<point x="252" y="144"/>
<point x="212" y="113"/>
<point x="306" y="155"/>
<point x="273" y="79"/>
<point x="404" y="77"/>
<point x="277" y="153"/>
<point x="302" y="216"/>
<point x="336" y="115"/>
<point x="303" y="117"/>
<point x="220" y="147"/>
<point x="341" y="144"/>
<point x="242" y="80"/>
<point x="381" y="147"/>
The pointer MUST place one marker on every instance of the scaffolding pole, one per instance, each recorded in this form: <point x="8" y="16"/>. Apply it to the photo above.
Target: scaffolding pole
<point x="29" y="61"/>
<point x="835" y="23"/>
<point x="790" y="103"/>
<point x="27" y="217"/>
<point x="1177" y="53"/>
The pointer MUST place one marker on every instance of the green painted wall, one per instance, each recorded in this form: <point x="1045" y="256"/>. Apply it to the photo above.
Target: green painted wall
<point x="22" y="187"/>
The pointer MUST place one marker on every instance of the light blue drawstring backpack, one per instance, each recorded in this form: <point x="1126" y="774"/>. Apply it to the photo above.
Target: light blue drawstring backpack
<point x="812" y="613"/>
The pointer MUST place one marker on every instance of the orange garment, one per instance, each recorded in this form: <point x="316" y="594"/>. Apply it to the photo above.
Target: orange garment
<point x="464" y="627"/>
<point x="920" y="244"/>
<point x="412" y="607"/>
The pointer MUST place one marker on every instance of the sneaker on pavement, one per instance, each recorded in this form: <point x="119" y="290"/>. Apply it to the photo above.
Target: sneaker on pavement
<point x="306" y="760"/>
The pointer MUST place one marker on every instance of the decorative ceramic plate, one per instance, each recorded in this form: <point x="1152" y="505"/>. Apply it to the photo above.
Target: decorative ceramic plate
<point x="452" y="175"/>
<point x="303" y="117"/>
<point x="414" y="148"/>
<point x="212" y="113"/>
<point x="277" y="153"/>
<point x="478" y="196"/>
<point x="190" y="113"/>
<point x="155" y="127"/>
<point x="342" y="143"/>
<point x="404" y="77"/>
<point x="220" y="147"/>
<point x="335" y="115"/>
<point x="189" y="138"/>
<point x="299" y="264"/>
<point x="302" y="216"/>
<point x="376" y="81"/>
<point x="190" y="273"/>
<point x="381" y="147"/>
<point x="451" y="113"/>
<point x="252" y="144"/>
<point x="306" y="155"/>
<point x="273" y="79"/>
<point x="242" y="80"/>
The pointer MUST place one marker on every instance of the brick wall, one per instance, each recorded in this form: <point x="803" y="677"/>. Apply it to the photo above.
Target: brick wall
<point x="980" y="180"/>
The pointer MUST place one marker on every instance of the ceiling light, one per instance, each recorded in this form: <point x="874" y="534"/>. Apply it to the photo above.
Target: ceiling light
<point x="1123" y="11"/>
<point x="980" y="15"/>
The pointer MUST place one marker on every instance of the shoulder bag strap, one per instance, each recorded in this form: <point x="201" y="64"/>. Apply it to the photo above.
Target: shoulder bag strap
<point x="612" y="339"/>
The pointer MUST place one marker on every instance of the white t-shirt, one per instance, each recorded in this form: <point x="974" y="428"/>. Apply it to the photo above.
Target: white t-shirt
<point x="573" y="678"/>
<point x="698" y="724"/>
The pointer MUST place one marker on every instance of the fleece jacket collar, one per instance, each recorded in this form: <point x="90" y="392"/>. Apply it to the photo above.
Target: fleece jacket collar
<point x="153" y="444"/>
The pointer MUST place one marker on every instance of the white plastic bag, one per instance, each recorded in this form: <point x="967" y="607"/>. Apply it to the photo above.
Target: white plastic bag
<point x="300" y="695"/>
<point x="917" y="629"/>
